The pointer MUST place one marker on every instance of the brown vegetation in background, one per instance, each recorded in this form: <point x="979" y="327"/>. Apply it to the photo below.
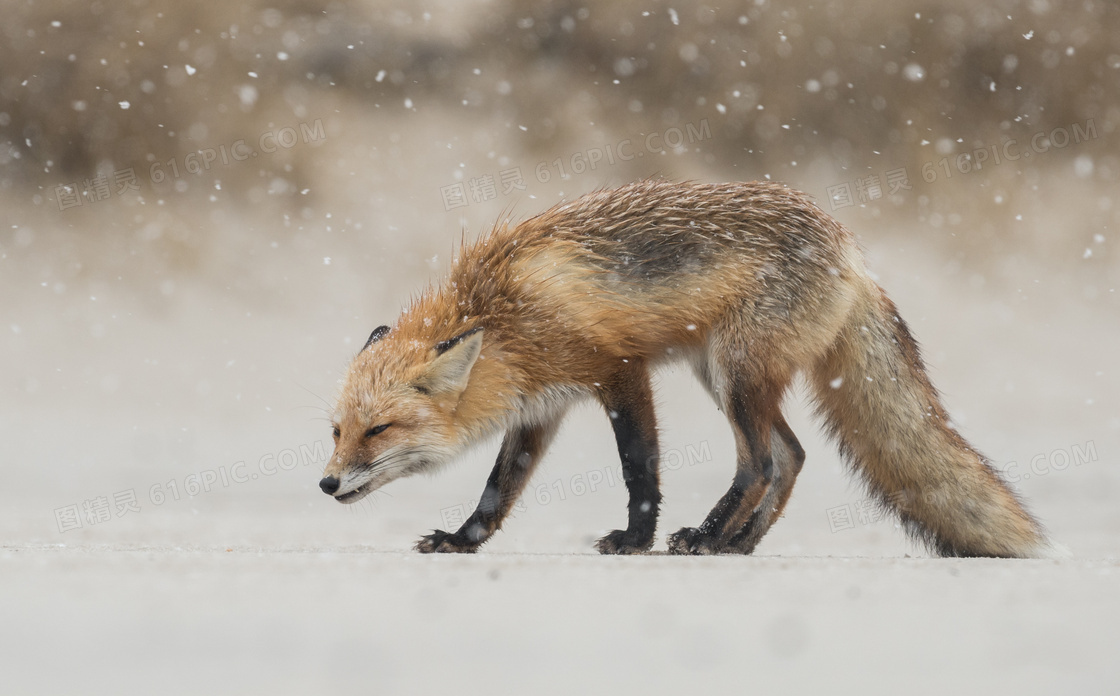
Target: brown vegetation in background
<point x="831" y="85"/>
<point x="91" y="87"/>
<point x="844" y="77"/>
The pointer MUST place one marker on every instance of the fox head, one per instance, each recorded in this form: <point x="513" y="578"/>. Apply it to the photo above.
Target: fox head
<point x="396" y="414"/>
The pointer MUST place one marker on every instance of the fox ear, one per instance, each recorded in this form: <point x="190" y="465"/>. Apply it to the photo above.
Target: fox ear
<point x="377" y="335"/>
<point x="450" y="369"/>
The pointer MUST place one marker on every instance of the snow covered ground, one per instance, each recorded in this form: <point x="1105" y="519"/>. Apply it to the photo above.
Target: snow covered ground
<point x="122" y="400"/>
<point x="322" y="618"/>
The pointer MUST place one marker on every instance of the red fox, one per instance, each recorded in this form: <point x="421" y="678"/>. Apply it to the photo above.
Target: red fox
<point x="749" y="283"/>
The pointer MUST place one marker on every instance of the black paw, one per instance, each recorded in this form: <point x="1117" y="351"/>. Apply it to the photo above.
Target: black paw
<point x="693" y="541"/>
<point x="445" y="542"/>
<point x="621" y="541"/>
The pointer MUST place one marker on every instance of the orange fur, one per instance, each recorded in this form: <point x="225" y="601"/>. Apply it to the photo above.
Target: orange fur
<point x="749" y="282"/>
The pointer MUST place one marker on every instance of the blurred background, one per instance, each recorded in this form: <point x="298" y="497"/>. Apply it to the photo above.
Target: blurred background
<point x="206" y="206"/>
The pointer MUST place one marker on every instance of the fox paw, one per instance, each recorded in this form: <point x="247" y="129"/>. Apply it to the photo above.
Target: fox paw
<point x="621" y="541"/>
<point x="694" y="542"/>
<point x="445" y="542"/>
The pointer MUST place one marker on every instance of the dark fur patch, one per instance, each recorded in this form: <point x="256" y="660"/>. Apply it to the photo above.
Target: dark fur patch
<point x="635" y="431"/>
<point x="377" y="335"/>
<point x="444" y="346"/>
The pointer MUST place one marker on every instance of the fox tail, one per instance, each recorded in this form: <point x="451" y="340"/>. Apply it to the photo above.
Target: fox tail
<point x="879" y="405"/>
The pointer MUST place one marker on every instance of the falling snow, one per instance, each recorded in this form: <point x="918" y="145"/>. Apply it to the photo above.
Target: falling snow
<point x="207" y="209"/>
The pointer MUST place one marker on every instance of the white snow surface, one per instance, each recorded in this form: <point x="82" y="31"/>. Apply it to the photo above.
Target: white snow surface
<point x="268" y="586"/>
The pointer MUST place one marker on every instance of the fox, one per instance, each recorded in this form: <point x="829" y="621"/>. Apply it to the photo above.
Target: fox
<point x="751" y="284"/>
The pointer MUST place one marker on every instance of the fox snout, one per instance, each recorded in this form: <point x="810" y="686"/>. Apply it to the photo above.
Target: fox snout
<point x="348" y="483"/>
<point x="330" y="485"/>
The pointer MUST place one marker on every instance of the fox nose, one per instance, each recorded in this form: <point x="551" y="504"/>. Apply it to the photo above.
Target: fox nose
<point x="329" y="484"/>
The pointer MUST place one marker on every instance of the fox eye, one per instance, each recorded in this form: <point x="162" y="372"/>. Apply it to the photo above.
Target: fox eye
<point x="377" y="430"/>
<point x="337" y="432"/>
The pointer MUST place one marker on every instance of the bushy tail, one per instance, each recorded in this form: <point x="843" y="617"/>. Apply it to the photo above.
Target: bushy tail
<point x="880" y="406"/>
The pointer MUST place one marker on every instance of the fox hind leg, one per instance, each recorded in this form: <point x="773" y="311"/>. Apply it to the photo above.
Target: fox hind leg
<point x="750" y="395"/>
<point x="788" y="460"/>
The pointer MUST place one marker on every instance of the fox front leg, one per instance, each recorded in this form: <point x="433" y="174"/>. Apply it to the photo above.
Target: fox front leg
<point x="522" y="449"/>
<point x="629" y="403"/>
